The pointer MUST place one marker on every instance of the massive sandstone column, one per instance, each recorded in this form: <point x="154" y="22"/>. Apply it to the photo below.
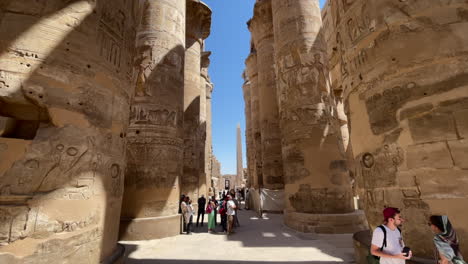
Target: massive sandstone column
<point x="317" y="182"/>
<point x="405" y="72"/>
<point x="252" y="73"/>
<point x="209" y="139"/>
<point x="66" y="74"/>
<point x="248" y="130"/>
<point x="197" y="29"/>
<point x="206" y="89"/>
<point x="155" y="145"/>
<point x="262" y="34"/>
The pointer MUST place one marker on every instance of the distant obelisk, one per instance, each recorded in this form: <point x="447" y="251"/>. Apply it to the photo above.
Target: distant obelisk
<point x="240" y="166"/>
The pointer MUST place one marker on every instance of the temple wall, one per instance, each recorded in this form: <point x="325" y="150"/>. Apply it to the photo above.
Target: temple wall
<point x="402" y="69"/>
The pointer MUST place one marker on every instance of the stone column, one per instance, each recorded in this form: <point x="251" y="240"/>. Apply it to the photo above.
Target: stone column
<point x="209" y="138"/>
<point x="251" y="71"/>
<point x="318" y="190"/>
<point x="155" y="145"/>
<point x="248" y="130"/>
<point x="262" y="35"/>
<point x="205" y="126"/>
<point x="197" y="29"/>
<point x="406" y="88"/>
<point x="66" y="74"/>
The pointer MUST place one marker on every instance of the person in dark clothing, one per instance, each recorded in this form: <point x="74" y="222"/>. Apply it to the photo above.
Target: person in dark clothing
<point x="222" y="212"/>
<point x="215" y="210"/>
<point x="201" y="209"/>
<point x="182" y="199"/>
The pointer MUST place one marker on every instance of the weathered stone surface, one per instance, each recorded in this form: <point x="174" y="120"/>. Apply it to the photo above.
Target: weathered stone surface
<point x="459" y="152"/>
<point x="197" y="29"/>
<point x="66" y="74"/>
<point x="429" y="155"/>
<point x="432" y="127"/>
<point x="261" y="26"/>
<point x="310" y="144"/>
<point x="409" y="97"/>
<point x="155" y="144"/>
<point x="252" y="73"/>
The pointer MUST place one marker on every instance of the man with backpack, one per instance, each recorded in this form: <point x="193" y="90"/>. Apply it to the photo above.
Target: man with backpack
<point x="387" y="242"/>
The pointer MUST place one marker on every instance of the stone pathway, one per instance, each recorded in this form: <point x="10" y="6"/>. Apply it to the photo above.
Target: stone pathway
<point x="256" y="241"/>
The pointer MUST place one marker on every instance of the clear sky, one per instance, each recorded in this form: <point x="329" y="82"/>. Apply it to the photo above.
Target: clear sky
<point x="230" y="43"/>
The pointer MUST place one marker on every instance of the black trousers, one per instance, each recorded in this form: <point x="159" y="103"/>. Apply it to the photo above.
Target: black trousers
<point x="216" y="217"/>
<point x="189" y="225"/>
<point x="202" y="213"/>
<point x="224" y="222"/>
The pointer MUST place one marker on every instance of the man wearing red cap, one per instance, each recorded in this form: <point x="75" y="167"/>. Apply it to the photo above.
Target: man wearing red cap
<point x="387" y="242"/>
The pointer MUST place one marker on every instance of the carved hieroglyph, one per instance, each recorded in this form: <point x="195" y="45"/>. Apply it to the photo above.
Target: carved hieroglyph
<point x="198" y="29"/>
<point x="66" y="75"/>
<point x="316" y="175"/>
<point x="403" y="68"/>
<point x="261" y="27"/>
<point x="155" y="144"/>
<point x="252" y="73"/>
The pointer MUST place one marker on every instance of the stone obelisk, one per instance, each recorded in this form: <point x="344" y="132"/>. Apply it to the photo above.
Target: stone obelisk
<point x="240" y="167"/>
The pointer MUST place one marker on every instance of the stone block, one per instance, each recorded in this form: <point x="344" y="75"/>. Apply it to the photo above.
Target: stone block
<point x="432" y="127"/>
<point x="459" y="150"/>
<point x="461" y="119"/>
<point x="443" y="184"/>
<point x="430" y="155"/>
<point x="414" y="111"/>
<point x="406" y="179"/>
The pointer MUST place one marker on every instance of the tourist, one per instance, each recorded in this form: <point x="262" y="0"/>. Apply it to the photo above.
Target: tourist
<point x="201" y="209"/>
<point x="182" y="208"/>
<point x="247" y="200"/>
<point x="231" y="212"/>
<point x="215" y="210"/>
<point x="222" y="213"/>
<point x="445" y="240"/>
<point x="187" y="211"/>
<point x="237" y="202"/>
<point x="210" y="210"/>
<point x="387" y="242"/>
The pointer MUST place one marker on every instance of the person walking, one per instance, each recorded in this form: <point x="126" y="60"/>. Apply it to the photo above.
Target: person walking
<point x="182" y="210"/>
<point x="446" y="242"/>
<point x="222" y="213"/>
<point x="187" y="211"/>
<point x="231" y="212"/>
<point x="236" y="201"/>
<point x="201" y="209"/>
<point x="387" y="242"/>
<point x="210" y="210"/>
<point x="247" y="200"/>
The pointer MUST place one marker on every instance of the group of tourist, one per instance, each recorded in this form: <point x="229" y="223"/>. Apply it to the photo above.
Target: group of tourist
<point x="227" y="207"/>
<point x="387" y="246"/>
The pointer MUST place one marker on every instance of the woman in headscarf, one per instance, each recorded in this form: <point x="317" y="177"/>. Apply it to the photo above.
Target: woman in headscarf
<point x="210" y="210"/>
<point x="445" y="240"/>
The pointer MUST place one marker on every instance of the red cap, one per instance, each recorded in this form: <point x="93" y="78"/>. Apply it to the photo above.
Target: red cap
<point x="390" y="212"/>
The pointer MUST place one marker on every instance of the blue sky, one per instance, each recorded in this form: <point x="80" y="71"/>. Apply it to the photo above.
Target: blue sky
<point x="229" y="42"/>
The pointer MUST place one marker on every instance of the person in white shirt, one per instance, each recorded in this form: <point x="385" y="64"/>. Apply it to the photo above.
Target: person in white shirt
<point x="231" y="211"/>
<point x="187" y="211"/>
<point x="389" y="245"/>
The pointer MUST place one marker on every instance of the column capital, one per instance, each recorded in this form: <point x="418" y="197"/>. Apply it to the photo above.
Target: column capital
<point x="251" y="63"/>
<point x="261" y="24"/>
<point x="198" y="25"/>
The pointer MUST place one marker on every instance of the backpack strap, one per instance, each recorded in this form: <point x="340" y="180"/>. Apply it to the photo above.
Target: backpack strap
<point x="384" y="243"/>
